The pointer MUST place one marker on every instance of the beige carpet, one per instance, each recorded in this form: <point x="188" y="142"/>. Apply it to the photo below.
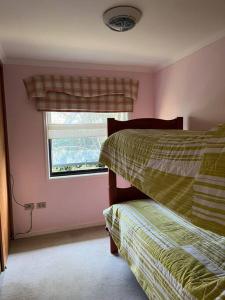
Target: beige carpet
<point x="69" y="265"/>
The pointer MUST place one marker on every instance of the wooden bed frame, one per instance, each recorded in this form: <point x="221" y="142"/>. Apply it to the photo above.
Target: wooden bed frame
<point x="119" y="195"/>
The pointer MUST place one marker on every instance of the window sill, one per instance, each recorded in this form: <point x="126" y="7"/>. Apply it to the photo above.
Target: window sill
<point x="78" y="175"/>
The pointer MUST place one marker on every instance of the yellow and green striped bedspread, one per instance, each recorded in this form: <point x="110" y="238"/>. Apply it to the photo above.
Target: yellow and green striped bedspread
<point x="183" y="170"/>
<point x="170" y="257"/>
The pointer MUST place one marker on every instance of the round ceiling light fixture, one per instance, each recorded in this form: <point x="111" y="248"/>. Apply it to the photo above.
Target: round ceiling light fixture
<point x="121" y="18"/>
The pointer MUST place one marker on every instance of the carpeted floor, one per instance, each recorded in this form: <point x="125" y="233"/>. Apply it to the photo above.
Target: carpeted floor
<point x="70" y="265"/>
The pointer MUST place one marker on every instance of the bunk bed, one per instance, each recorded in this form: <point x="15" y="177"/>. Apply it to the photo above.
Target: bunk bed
<point x="172" y="250"/>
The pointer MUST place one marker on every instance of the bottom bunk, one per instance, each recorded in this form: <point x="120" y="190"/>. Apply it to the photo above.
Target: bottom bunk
<point x="170" y="257"/>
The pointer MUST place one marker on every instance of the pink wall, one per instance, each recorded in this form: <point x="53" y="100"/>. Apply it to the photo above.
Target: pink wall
<point x="71" y="202"/>
<point x="194" y="88"/>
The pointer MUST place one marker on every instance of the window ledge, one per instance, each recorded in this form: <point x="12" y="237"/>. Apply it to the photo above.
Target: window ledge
<point x="77" y="176"/>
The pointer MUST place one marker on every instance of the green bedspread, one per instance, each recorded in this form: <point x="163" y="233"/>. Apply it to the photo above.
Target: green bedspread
<point x="170" y="257"/>
<point x="183" y="170"/>
<point x="161" y="163"/>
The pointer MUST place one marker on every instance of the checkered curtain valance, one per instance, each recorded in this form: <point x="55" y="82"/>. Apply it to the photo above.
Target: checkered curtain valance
<point x="81" y="94"/>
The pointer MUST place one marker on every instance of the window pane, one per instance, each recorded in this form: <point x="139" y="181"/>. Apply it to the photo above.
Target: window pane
<point x="83" y="118"/>
<point x="75" y="140"/>
<point x="74" y="154"/>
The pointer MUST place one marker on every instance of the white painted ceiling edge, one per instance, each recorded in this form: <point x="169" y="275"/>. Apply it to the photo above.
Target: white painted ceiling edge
<point x="207" y="42"/>
<point x="78" y="65"/>
<point x="115" y="67"/>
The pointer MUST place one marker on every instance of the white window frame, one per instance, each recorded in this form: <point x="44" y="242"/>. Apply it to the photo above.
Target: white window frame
<point x="102" y="128"/>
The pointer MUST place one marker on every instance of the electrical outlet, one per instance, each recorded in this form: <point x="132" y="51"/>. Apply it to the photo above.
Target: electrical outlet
<point x="28" y="206"/>
<point x="41" y="205"/>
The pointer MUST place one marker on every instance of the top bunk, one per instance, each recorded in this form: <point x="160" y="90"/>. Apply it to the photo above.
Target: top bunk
<point x="181" y="169"/>
<point x="118" y="195"/>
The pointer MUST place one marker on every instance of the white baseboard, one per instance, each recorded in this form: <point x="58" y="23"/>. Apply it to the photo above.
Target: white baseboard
<point x="61" y="229"/>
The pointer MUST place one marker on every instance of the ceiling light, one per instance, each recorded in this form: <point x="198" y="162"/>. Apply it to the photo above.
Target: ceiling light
<point x="121" y="18"/>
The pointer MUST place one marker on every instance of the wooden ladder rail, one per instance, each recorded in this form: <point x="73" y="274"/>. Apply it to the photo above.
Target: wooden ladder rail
<point x="119" y="195"/>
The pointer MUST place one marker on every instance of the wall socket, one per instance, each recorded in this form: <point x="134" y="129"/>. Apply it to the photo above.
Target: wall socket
<point x="41" y="205"/>
<point x="28" y="206"/>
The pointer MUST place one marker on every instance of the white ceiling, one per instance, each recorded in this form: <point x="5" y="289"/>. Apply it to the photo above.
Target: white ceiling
<point x="73" y="30"/>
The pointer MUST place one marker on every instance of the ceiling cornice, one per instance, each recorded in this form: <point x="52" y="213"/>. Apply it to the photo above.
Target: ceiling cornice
<point x="112" y="67"/>
<point x="192" y="50"/>
<point x="78" y="65"/>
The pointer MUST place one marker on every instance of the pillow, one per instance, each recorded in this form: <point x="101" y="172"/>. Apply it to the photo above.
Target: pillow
<point x="208" y="206"/>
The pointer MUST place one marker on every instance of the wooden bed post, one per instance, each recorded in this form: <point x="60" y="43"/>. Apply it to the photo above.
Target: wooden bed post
<point x="112" y="200"/>
<point x="112" y="188"/>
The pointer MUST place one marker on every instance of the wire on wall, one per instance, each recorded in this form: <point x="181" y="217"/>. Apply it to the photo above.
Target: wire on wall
<point x="18" y="203"/>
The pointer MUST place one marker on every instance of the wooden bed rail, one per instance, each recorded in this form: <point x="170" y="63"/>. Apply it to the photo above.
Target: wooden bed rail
<point x="146" y="123"/>
<point x="119" y="195"/>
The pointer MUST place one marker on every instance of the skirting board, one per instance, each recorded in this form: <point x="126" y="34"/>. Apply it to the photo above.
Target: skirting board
<point x="61" y="229"/>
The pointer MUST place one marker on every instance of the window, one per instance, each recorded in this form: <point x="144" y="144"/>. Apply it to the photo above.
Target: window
<point x="74" y="141"/>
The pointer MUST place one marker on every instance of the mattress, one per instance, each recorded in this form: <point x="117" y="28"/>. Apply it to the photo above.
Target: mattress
<point x="170" y="257"/>
<point x="160" y="163"/>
